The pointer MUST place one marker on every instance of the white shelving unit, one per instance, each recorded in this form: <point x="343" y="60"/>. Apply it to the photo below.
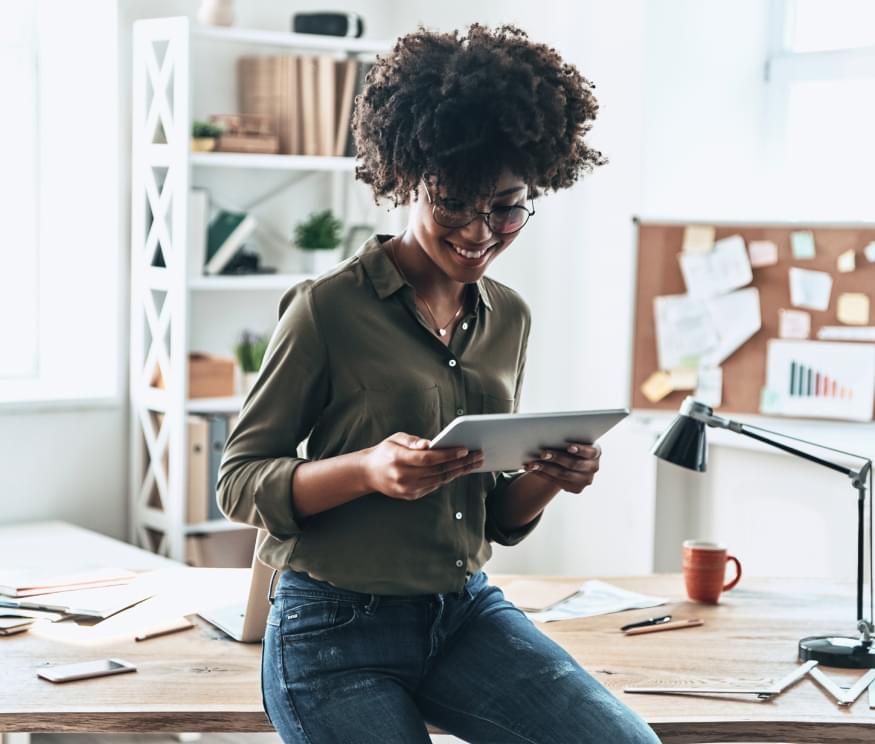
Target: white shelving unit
<point x="161" y="297"/>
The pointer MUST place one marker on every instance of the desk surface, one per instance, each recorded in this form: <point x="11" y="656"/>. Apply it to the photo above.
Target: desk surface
<point x="199" y="680"/>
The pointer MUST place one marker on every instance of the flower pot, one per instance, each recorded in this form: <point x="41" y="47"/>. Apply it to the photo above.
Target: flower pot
<point x="319" y="261"/>
<point x="203" y="144"/>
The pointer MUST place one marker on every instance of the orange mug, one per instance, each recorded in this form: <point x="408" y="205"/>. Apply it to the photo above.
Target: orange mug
<point x="705" y="570"/>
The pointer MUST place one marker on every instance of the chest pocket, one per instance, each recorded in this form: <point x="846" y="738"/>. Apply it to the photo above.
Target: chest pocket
<point x="416" y="412"/>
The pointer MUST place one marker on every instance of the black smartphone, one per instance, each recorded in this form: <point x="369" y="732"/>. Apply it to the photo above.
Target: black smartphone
<point x="86" y="669"/>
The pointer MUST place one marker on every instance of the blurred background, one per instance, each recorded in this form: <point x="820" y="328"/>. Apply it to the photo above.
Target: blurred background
<point x="133" y="158"/>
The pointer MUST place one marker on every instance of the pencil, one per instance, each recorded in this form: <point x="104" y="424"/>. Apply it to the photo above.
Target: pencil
<point x="690" y="623"/>
<point x="160" y="630"/>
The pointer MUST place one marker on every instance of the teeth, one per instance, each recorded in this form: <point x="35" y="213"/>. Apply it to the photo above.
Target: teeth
<point x="469" y="254"/>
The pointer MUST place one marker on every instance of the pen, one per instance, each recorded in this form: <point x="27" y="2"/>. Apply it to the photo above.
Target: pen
<point x="690" y="623"/>
<point x="181" y="624"/>
<point x="649" y="621"/>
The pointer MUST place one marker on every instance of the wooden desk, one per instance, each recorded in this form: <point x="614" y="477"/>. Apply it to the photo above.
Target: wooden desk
<point x="199" y="680"/>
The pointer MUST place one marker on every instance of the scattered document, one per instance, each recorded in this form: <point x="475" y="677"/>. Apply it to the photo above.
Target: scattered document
<point x="869" y="252"/>
<point x="810" y="289"/>
<point x="820" y="379"/>
<point x="698" y="239"/>
<point x="843" y="333"/>
<point x="710" y="388"/>
<point x="762" y="253"/>
<point x="657" y="386"/>
<point x="596" y="598"/>
<point x="853" y="308"/>
<point x="533" y="595"/>
<point x="99" y="602"/>
<point x="846" y="262"/>
<point x="802" y="245"/>
<point x="683" y="378"/>
<point x="28" y="583"/>
<point x="794" y="324"/>
<point x="722" y="270"/>
<point x="697" y="333"/>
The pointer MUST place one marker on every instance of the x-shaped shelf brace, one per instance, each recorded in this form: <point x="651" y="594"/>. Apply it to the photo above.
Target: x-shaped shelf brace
<point x="843" y="695"/>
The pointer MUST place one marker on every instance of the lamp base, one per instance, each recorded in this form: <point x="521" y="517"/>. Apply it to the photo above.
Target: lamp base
<point x="838" y="651"/>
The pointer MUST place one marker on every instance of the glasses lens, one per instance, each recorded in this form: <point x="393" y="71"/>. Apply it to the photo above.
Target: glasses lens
<point x="508" y="219"/>
<point x="453" y="215"/>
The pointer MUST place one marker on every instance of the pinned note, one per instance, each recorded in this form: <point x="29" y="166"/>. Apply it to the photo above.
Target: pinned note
<point x="810" y="289"/>
<point x="724" y="269"/>
<point x="762" y="253"/>
<point x="853" y="308"/>
<point x="846" y="262"/>
<point x="869" y="252"/>
<point x="683" y="378"/>
<point x="698" y="239"/>
<point x="794" y="324"/>
<point x="710" y="386"/>
<point x="657" y="386"/>
<point x="802" y="244"/>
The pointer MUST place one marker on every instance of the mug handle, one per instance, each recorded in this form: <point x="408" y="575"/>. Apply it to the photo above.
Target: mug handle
<point x="737" y="578"/>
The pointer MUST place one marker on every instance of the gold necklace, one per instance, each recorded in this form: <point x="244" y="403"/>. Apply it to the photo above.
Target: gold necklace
<point x="441" y="330"/>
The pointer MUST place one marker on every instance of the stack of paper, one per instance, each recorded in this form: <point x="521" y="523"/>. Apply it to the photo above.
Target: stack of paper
<point x="30" y="583"/>
<point x="100" y="602"/>
<point x="596" y="598"/>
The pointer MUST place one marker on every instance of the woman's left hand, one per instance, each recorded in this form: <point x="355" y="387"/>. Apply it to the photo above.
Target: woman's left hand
<point x="572" y="468"/>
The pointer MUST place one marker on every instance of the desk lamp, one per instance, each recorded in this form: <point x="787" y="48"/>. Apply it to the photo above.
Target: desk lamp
<point x="683" y="443"/>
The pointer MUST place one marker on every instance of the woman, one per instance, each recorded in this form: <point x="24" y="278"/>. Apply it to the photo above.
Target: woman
<point x="382" y="618"/>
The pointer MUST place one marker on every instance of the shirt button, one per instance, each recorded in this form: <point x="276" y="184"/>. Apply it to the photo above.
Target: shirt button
<point x="465" y="326"/>
<point x="452" y="362"/>
<point x="459" y="564"/>
<point x="458" y="515"/>
<point x="460" y="411"/>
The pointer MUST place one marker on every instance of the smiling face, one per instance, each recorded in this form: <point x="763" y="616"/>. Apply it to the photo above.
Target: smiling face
<point x="463" y="253"/>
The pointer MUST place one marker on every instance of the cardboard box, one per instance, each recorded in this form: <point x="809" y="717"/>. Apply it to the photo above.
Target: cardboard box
<point x="209" y="376"/>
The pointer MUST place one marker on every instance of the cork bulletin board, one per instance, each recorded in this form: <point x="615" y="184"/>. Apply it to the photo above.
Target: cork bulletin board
<point x="744" y="372"/>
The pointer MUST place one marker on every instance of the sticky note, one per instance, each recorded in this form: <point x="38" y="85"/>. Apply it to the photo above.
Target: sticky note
<point x="846" y="262"/>
<point x="770" y="401"/>
<point x="869" y="252"/>
<point x="657" y="386"/>
<point x="802" y="243"/>
<point x="683" y="378"/>
<point x="710" y="386"/>
<point x="810" y="289"/>
<point x="794" y="324"/>
<point x="853" y="308"/>
<point x="698" y="239"/>
<point x="762" y="253"/>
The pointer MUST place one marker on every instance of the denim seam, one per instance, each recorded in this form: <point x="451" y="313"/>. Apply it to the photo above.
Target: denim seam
<point x="288" y="692"/>
<point x="480" y="718"/>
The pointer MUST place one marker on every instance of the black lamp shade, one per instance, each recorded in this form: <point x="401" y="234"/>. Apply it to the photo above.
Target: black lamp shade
<point x="683" y="443"/>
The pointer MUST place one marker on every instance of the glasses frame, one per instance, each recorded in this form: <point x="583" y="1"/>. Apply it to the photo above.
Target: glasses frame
<point x="477" y="213"/>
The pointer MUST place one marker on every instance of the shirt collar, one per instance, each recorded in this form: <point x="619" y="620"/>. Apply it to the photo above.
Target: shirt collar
<point x="386" y="278"/>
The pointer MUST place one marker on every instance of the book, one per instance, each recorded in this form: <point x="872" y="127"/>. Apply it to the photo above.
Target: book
<point x="29" y="583"/>
<point x="345" y="72"/>
<point x="326" y="114"/>
<point x="197" y="494"/>
<point x="307" y="100"/>
<point x="227" y="233"/>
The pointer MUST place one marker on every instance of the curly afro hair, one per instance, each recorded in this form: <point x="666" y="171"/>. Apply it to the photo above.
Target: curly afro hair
<point x="462" y="108"/>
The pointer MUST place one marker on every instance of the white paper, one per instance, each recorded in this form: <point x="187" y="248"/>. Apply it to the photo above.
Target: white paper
<point x="843" y="333"/>
<point x="810" y="289"/>
<point x="724" y="269"/>
<point x="710" y="388"/>
<point x="820" y="379"/>
<point x="762" y="253"/>
<point x="794" y="324"/>
<point x="596" y="598"/>
<point x="695" y="333"/>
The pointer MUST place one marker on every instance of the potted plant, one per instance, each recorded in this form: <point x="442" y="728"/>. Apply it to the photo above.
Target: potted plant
<point x="250" y="353"/>
<point x="319" y="238"/>
<point x="204" y="135"/>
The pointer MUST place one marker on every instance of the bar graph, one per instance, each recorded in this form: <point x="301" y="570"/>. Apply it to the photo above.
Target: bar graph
<point x="806" y="381"/>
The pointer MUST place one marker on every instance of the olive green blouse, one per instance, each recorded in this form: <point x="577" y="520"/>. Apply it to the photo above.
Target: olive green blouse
<point x="351" y="362"/>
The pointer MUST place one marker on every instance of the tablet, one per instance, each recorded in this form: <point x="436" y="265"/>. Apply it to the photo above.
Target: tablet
<point x="509" y="440"/>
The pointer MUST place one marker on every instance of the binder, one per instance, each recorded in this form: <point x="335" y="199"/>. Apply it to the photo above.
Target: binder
<point x="325" y="111"/>
<point x="216" y="438"/>
<point x="197" y="492"/>
<point x="345" y="72"/>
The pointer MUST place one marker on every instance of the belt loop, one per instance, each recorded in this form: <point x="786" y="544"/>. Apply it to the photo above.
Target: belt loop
<point x="371" y="606"/>
<point x="270" y="586"/>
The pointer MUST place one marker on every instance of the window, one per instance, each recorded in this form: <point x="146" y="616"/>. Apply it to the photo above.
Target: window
<point x="60" y="276"/>
<point x="822" y="104"/>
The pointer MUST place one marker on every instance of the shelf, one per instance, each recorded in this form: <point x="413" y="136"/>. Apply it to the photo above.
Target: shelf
<point x="230" y="404"/>
<point x="263" y="161"/>
<point x="315" y="42"/>
<point x="247" y="282"/>
<point x="215" y="525"/>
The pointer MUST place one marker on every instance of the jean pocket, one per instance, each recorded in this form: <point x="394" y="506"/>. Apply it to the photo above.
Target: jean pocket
<point x="305" y="618"/>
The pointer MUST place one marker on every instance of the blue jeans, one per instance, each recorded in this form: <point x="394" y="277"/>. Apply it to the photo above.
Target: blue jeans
<point x="341" y="666"/>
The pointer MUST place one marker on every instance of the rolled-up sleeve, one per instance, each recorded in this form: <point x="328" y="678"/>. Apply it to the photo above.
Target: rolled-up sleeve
<point x="260" y="456"/>
<point x="504" y="479"/>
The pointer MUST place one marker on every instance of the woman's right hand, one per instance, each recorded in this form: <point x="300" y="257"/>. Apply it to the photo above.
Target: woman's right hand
<point x="402" y="466"/>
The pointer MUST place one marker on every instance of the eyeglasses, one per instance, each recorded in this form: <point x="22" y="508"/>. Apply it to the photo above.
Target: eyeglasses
<point x="502" y="219"/>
